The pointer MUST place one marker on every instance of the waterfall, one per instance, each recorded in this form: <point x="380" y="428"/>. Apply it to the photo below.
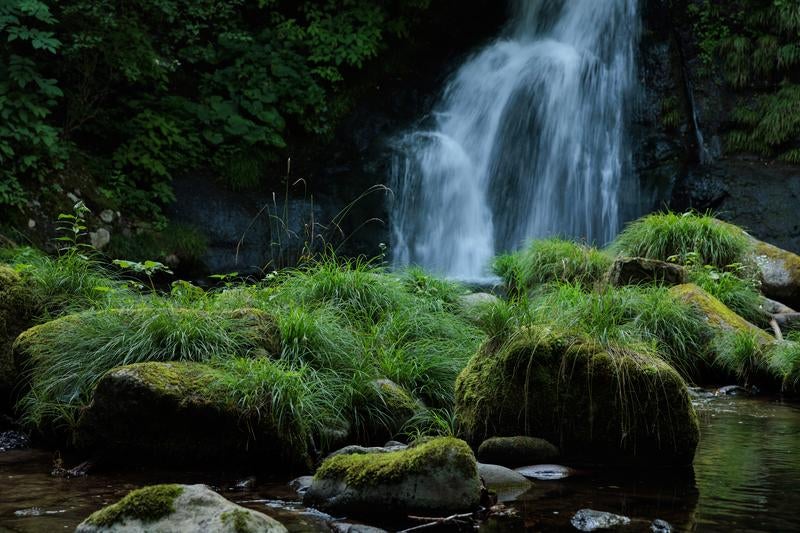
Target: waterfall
<point x="529" y="139"/>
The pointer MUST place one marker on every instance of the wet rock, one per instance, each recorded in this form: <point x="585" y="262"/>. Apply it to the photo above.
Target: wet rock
<point x="545" y="472"/>
<point x="166" y="413"/>
<point x="507" y="484"/>
<point x="301" y="484"/>
<point x="176" y="508"/>
<point x="637" y="271"/>
<point x="13" y="440"/>
<point x="700" y="393"/>
<point x="565" y="388"/>
<point x="100" y="238"/>
<point x="732" y="390"/>
<point x="394" y="444"/>
<point x="437" y="476"/>
<point x="591" y="520"/>
<point x="516" y="451"/>
<point x="107" y="216"/>
<point x="660" y="526"/>
<point x="245" y="484"/>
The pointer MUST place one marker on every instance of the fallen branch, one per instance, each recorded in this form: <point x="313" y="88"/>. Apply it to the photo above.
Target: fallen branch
<point x="464" y="519"/>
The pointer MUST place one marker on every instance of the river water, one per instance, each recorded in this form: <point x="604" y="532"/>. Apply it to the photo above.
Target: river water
<point x="744" y="479"/>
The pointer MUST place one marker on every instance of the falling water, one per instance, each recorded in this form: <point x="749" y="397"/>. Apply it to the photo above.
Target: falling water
<point x="528" y="140"/>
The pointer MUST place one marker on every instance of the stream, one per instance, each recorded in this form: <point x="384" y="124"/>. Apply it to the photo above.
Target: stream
<point x="742" y="480"/>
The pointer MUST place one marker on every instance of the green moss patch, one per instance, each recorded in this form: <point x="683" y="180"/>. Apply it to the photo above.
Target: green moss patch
<point x="599" y="402"/>
<point x="147" y="504"/>
<point x="361" y="470"/>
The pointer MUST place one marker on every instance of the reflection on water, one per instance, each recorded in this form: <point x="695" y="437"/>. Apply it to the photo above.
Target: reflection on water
<point x="745" y="478"/>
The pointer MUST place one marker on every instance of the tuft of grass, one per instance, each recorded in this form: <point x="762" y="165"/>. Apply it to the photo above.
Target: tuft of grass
<point x="65" y="358"/>
<point x="624" y="315"/>
<point x="551" y="260"/>
<point x="783" y="361"/>
<point x="736" y="289"/>
<point x="147" y="504"/>
<point x="667" y="236"/>
<point x="741" y="353"/>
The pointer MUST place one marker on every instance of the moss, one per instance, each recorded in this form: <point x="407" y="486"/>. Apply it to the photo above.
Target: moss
<point x="147" y="504"/>
<point x="17" y="303"/>
<point x="718" y="315"/>
<point x="516" y="451"/>
<point x="363" y="470"/>
<point x="598" y="403"/>
<point x="238" y="520"/>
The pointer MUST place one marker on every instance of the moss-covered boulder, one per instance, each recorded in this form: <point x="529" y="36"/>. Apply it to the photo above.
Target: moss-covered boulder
<point x="599" y="404"/>
<point x="780" y="273"/>
<point x="638" y="271"/>
<point x="16" y="308"/>
<point x="516" y="451"/>
<point x="175" y="509"/>
<point x="436" y="477"/>
<point x="174" y="413"/>
<point x="719" y="317"/>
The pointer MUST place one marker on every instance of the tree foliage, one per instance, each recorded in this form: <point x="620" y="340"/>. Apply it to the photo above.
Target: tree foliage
<point x="134" y="91"/>
<point x="756" y="45"/>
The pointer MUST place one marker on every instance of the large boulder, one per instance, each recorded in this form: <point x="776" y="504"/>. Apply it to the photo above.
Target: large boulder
<point x="172" y="412"/>
<point x="175" y="509"/>
<point x="16" y="308"/>
<point x="598" y="403"/>
<point x="436" y="477"/>
<point x="780" y="273"/>
<point x="719" y="317"/>
<point x="638" y="271"/>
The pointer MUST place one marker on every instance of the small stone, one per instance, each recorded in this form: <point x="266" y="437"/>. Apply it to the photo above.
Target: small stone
<point x="516" y="451"/>
<point x="107" y="216"/>
<point x="301" y="484"/>
<point x="507" y="484"/>
<point x="546" y="472"/>
<point x="660" y="526"/>
<point x="732" y="390"/>
<point x="344" y="527"/>
<point x="13" y="440"/>
<point x="591" y="520"/>
<point x="245" y="484"/>
<point x="31" y="223"/>
<point x="100" y="238"/>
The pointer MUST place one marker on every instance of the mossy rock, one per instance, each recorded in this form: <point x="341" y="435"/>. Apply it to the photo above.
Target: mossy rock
<point x="16" y="312"/>
<point x="436" y="477"/>
<point x="177" y="508"/>
<point x="639" y="271"/>
<point x="780" y="273"/>
<point x="172" y="413"/>
<point x="719" y="317"/>
<point x="516" y="451"/>
<point x="599" y="404"/>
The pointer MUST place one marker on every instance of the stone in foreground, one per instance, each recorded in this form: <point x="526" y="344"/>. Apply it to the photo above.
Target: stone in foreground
<point x="516" y="451"/>
<point x="591" y="520"/>
<point x="436" y="477"/>
<point x="168" y="412"/>
<point x="176" y="509"/>
<point x="601" y="404"/>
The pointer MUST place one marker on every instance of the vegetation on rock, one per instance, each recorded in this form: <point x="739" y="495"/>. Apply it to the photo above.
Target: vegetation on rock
<point x="147" y="504"/>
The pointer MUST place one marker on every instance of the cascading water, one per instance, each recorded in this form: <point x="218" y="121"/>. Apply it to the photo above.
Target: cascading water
<point x="529" y="140"/>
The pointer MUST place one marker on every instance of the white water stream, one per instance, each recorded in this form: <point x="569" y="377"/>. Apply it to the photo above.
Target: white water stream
<point x="528" y="140"/>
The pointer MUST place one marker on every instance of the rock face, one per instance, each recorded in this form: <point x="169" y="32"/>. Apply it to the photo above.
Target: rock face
<point x="636" y="271"/>
<point x="780" y="273"/>
<point x="719" y="317"/>
<point x="167" y="412"/>
<point x="439" y="476"/>
<point x="516" y="451"/>
<point x="598" y="405"/>
<point x="175" y="509"/>
<point x="16" y="307"/>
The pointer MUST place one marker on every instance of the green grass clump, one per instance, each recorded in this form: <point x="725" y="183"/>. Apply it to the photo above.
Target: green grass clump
<point x="627" y="315"/>
<point x="783" y="361"/>
<point x="147" y="504"/>
<point x="684" y="237"/>
<point x="65" y="358"/>
<point x="741" y="354"/>
<point x="551" y="260"/>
